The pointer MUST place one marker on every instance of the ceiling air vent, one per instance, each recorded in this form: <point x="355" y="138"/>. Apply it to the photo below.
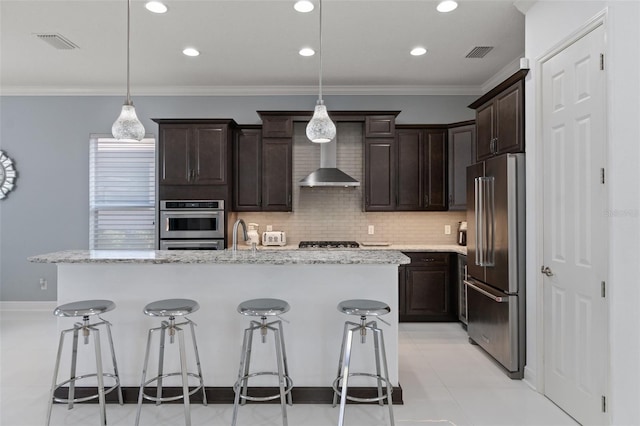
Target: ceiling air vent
<point x="479" y="52"/>
<point x="57" y="41"/>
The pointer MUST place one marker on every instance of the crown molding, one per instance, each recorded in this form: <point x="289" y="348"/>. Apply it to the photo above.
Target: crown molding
<point x="241" y="90"/>
<point x="503" y="74"/>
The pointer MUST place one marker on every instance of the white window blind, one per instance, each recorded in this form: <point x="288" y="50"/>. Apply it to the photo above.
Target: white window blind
<point x="122" y="194"/>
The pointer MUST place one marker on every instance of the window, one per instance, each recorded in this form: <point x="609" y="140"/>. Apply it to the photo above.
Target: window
<point x="122" y="194"/>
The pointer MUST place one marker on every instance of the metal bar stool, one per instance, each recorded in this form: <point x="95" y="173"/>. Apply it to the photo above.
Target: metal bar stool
<point x="85" y="309"/>
<point x="172" y="308"/>
<point x="263" y="308"/>
<point x="362" y="308"/>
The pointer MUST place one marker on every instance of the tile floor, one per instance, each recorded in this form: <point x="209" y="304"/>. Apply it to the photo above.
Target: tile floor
<point x="446" y="381"/>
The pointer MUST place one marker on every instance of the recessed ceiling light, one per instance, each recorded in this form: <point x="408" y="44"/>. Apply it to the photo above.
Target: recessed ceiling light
<point x="156" y="7"/>
<point x="303" y="6"/>
<point x="307" y="51"/>
<point x="418" y="51"/>
<point x="447" y="6"/>
<point x="190" y="51"/>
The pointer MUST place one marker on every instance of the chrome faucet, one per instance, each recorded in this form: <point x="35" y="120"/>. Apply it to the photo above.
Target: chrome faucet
<point x="234" y="245"/>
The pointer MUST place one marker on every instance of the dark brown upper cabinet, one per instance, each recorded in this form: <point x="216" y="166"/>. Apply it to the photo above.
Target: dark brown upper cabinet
<point x="194" y="158"/>
<point x="379" y="126"/>
<point x="500" y="118"/>
<point x="379" y="174"/>
<point x="421" y="168"/>
<point x="247" y="169"/>
<point x="277" y="174"/>
<point x="461" y="142"/>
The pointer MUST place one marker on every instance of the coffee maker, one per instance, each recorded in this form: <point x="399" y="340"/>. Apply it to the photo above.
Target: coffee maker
<point x="462" y="233"/>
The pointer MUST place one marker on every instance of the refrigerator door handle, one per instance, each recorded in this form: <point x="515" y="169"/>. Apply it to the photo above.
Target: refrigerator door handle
<point x="499" y="298"/>
<point x="489" y="204"/>
<point x="478" y="220"/>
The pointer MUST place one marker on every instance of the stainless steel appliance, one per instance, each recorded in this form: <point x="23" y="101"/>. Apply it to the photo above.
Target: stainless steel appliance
<point x="192" y="224"/>
<point x="328" y="244"/>
<point x="496" y="259"/>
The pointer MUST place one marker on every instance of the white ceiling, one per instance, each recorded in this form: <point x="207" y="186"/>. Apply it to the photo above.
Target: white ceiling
<point x="251" y="47"/>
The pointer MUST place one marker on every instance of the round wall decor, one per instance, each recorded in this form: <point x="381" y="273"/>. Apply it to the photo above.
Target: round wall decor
<point x="8" y="175"/>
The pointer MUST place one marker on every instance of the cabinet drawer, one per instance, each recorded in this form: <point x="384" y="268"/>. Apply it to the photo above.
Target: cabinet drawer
<point x="428" y="258"/>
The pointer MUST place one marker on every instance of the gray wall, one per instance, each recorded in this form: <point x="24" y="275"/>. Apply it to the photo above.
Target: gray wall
<point x="48" y="138"/>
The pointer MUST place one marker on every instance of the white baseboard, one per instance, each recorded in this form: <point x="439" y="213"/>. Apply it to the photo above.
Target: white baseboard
<point x="530" y="377"/>
<point x="28" y="306"/>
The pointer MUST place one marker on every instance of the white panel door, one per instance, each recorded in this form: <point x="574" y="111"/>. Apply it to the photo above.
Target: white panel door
<point x="575" y="229"/>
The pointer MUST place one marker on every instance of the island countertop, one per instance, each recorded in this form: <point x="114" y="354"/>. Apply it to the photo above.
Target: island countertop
<point x="244" y="257"/>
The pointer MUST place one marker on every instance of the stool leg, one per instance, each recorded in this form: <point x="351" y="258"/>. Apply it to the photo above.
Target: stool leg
<point x="345" y="373"/>
<point x="99" y="372"/>
<point x="284" y="360"/>
<point x="247" y="362"/>
<point x="241" y="372"/>
<point x="376" y="350"/>
<point x="74" y="360"/>
<point x="115" y="365"/>
<point x="163" y="331"/>
<point x="344" y="339"/>
<point x="185" y="378"/>
<point x="195" y="350"/>
<point x="144" y="376"/>
<point x="55" y="376"/>
<point x="281" y="379"/>
<point x="386" y="374"/>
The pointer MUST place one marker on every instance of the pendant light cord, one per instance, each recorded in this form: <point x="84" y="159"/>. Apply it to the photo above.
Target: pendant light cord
<point x="128" y="54"/>
<point x="320" y="77"/>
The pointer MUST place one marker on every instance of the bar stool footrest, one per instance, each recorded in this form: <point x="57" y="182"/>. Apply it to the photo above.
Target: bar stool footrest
<point x="287" y="388"/>
<point x="387" y="390"/>
<point x="90" y="397"/>
<point x="169" y="398"/>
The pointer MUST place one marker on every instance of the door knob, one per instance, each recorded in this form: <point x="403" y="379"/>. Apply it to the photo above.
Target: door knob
<point x="546" y="270"/>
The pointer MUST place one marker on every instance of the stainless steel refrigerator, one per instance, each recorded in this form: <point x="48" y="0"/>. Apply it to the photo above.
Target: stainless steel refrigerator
<point x="495" y="281"/>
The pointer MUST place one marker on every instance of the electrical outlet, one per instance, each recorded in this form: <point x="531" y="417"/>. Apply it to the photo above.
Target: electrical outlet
<point x="371" y="230"/>
<point x="269" y="228"/>
<point x="43" y="284"/>
<point x="447" y="229"/>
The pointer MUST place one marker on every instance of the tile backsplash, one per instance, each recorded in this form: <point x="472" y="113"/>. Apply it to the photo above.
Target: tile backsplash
<point x="336" y="213"/>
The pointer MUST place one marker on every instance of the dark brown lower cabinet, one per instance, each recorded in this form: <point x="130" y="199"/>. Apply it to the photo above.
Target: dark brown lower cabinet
<point x="426" y="291"/>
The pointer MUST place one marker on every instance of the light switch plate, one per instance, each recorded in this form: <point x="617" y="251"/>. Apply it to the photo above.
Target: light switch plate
<point x="447" y="229"/>
<point x="371" y="230"/>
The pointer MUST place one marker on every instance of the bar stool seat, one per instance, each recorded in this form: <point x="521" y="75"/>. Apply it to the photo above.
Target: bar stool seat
<point x="85" y="309"/>
<point x="172" y="308"/>
<point x="362" y="308"/>
<point x="263" y="308"/>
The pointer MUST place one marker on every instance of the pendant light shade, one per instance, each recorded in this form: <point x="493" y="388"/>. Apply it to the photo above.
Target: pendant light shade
<point x="320" y="129"/>
<point x="127" y="126"/>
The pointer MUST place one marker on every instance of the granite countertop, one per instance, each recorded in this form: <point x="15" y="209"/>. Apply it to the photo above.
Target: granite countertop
<point x="453" y="248"/>
<point x="260" y="257"/>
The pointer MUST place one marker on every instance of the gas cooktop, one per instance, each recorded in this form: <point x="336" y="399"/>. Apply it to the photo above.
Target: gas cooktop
<point x="328" y="244"/>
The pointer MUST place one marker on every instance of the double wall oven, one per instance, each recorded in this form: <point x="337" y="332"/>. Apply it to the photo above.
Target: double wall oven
<point x="192" y="225"/>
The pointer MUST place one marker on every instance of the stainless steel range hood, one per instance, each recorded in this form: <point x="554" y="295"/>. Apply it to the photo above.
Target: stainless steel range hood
<point x="328" y="174"/>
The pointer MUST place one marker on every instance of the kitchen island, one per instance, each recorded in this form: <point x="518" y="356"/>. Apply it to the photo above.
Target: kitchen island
<point x="312" y="281"/>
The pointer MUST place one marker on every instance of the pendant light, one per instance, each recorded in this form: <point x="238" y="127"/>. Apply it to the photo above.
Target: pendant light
<point x="321" y="129"/>
<point x="127" y="126"/>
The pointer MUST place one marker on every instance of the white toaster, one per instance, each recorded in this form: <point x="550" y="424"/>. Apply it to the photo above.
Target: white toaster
<point x="274" y="238"/>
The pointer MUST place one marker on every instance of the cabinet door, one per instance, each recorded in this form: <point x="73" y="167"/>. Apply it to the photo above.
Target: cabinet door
<point x="402" y="297"/>
<point x="276" y="174"/>
<point x="461" y="144"/>
<point x="175" y="157"/>
<point x="435" y="170"/>
<point x="509" y="129"/>
<point x="485" y="121"/>
<point x="410" y="182"/>
<point x="247" y="170"/>
<point x="428" y="293"/>
<point x="379" y="126"/>
<point x="209" y="153"/>
<point x="379" y="174"/>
